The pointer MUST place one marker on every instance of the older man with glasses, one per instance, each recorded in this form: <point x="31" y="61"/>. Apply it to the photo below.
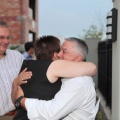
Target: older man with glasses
<point x="10" y="64"/>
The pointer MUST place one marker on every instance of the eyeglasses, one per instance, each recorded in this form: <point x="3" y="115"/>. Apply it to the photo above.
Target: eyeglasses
<point x="5" y="37"/>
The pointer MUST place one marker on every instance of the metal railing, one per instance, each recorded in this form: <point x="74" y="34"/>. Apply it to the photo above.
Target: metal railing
<point x="105" y="70"/>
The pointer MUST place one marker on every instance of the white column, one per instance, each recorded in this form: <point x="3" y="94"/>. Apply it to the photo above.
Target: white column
<point x="116" y="70"/>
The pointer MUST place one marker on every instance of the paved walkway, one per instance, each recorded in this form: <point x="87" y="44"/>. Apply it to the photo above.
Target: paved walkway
<point x="6" y="118"/>
<point x="104" y="112"/>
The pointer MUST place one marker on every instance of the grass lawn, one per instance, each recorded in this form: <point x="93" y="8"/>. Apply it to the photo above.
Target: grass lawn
<point x="100" y="116"/>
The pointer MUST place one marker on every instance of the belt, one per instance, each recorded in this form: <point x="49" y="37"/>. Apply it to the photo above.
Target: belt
<point x="10" y="113"/>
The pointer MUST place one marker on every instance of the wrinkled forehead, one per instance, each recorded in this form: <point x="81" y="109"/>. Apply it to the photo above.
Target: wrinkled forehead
<point x="4" y="30"/>
<point x="68" y="45"/>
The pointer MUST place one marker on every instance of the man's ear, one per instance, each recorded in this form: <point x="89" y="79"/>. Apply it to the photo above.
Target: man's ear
<point x="79" y="59"/>
<point x="55" y="57"/>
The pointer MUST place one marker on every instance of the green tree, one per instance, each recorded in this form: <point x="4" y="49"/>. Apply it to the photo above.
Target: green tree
<point x="92" y="32"/>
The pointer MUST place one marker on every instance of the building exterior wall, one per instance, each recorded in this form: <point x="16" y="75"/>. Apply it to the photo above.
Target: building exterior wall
<point x="116" y="69"/>
<point x="17" y="14"/>
<point x="93" y="54"/>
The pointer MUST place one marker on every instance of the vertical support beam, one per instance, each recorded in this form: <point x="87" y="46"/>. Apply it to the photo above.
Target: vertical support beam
<point x="116" y="70"/>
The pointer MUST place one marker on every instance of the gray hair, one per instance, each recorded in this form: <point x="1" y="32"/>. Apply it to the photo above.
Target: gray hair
<point x="80" y="46"/>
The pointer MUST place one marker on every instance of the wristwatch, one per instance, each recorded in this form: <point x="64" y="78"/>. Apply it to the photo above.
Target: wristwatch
<point x="17" y="102"/>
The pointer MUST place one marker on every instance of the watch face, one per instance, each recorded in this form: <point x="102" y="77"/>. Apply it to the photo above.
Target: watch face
<point x="17" y="104"/>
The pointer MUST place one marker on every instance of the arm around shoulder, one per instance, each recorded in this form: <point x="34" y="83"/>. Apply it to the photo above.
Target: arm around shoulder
<point x="64" y="68"/>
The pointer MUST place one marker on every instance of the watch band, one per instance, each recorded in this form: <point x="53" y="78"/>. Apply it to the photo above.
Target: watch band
<point x="17" y="102"/>
<point x="19" y="99"/>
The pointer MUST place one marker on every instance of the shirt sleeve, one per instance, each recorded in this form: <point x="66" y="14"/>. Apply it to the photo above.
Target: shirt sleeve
<point x="64" y="102"/>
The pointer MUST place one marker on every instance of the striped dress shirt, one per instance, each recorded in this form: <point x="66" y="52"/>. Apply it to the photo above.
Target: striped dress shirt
<point x="10" y="66"/>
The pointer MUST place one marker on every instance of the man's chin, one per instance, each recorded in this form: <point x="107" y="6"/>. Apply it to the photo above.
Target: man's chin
<point x="4" y="49"/>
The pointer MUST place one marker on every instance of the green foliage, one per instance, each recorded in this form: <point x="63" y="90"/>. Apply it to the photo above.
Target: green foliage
<point x="92" y="32"/>
<point x="19" y="48"/>
<point x="14" y="47"/>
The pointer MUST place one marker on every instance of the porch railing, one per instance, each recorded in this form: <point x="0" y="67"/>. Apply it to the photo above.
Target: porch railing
<point x="105" y="70"/>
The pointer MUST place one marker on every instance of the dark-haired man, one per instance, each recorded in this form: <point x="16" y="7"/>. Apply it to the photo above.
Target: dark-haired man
<point x="29" y="50"/>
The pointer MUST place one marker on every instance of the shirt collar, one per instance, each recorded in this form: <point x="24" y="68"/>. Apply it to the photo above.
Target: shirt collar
<point x="5" y="54"/>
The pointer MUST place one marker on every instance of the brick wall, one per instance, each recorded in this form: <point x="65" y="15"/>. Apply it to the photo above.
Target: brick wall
<point x="16" y="14"/>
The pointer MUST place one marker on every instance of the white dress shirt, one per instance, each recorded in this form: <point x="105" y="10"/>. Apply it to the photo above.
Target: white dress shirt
<point x="10" y="66"/>
<point x="76" y="94"/>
